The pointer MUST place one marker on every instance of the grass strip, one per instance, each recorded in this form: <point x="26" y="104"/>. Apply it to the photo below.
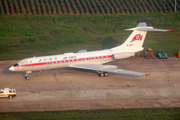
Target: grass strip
<point x="104" y="114"/>
<point x="23" y="36"/>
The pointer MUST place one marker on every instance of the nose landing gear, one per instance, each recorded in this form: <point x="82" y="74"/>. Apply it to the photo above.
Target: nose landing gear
<point x="27" y="77"/>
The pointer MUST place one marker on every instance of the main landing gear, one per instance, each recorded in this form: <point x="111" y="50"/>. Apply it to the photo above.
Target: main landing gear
<point x="27" y="77"/>
<point x="102" y="74"/>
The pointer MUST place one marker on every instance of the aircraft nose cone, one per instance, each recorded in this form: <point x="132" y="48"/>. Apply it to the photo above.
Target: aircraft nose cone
<point x="11" y="68"/>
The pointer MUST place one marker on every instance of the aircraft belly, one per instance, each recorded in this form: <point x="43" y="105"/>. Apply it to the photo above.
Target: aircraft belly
<point x="31" y="68"/>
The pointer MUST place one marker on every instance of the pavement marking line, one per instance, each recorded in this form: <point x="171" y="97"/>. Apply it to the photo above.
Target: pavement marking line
<point x="28" y="86"/>
<point x="73" y="85"/>
<point x="55" y="77"/>
<point x="121" y="85"/>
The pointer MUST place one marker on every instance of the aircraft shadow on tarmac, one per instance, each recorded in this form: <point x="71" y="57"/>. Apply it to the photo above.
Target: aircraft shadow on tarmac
<point x="109" y="42"/>
<point x="7" y="71"/>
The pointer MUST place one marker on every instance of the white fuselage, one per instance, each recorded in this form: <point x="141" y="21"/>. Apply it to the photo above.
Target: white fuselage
<point x="68" y="59"/>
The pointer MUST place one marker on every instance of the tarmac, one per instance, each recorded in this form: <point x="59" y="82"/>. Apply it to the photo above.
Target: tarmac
<point x="77" y="89"/>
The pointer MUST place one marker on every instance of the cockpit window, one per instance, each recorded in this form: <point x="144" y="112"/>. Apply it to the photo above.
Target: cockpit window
<point x="16" y="65"/>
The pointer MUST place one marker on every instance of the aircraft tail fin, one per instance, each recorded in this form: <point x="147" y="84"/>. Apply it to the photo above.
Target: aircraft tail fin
<point x="137" y="37"/>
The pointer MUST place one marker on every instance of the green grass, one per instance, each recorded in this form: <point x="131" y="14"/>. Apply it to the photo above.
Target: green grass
<point x="24" y="36"/>
<point x="106" y="114"/>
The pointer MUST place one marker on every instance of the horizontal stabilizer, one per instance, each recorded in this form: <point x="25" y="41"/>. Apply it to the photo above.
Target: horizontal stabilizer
<point x="143" y="27"/>
<point x="149" y="29"/>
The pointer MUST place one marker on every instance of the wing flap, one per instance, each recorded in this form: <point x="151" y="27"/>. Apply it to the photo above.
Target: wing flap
<point x="109" y="68"/>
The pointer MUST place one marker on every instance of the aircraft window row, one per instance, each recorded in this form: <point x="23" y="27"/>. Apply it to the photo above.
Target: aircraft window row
<point x="79" y="59"/>
<point x="72" y="57"/>
<point x="46" y="59"/>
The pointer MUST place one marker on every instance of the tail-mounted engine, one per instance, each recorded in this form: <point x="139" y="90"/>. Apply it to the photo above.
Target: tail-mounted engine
<point x="122" y="55"/>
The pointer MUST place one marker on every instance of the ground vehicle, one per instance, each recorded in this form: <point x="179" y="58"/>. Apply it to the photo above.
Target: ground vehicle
<point x="8" y="92"/>
<point x="162" y="55"/>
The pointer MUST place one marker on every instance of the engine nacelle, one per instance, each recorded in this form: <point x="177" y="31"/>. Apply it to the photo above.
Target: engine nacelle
<point x="122" y="55"/>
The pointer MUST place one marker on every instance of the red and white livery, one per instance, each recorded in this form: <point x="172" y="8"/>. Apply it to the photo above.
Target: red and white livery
<point x="91" y="60"/>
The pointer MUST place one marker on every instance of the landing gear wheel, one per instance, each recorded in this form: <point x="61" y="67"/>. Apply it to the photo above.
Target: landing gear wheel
<point x="105" y="74"/>
<point x="27" y="77"/>
<point x="101" y="74"/>
<point x="10" y="97"/>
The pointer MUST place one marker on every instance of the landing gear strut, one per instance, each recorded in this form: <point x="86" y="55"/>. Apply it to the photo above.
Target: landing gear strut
<point x="102" y="74"/>
<point x="27" y="77"/>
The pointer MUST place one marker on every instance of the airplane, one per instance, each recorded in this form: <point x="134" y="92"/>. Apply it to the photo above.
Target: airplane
<point x="92" y="60"/>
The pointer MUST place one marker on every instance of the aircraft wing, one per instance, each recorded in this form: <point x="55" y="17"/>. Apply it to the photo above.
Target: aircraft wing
<point x="110" y="69"/>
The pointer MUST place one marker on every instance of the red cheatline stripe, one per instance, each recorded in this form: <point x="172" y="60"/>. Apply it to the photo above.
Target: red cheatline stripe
<point x="44" y="63"/>
<point x="34" y="64"/>
<point x="109" y="56"/>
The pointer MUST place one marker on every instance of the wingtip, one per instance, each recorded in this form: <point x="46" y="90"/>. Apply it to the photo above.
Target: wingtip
<point x="146" y="74"/>
<point x="169" y="30"/>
